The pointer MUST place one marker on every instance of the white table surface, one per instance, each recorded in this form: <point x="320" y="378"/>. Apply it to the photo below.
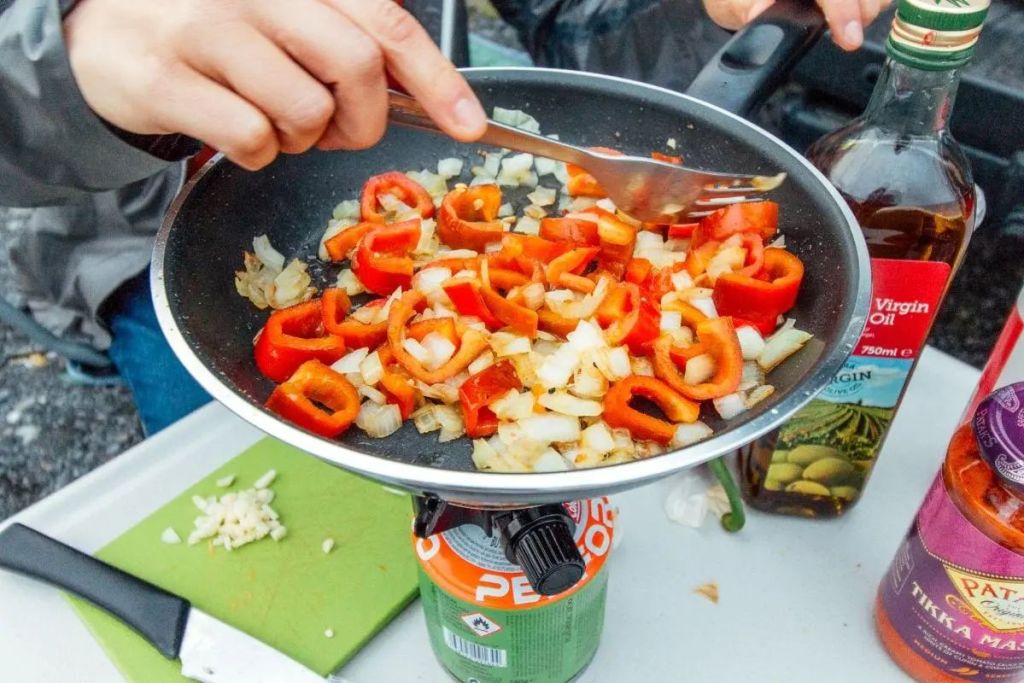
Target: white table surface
<point x="796" y="595"/>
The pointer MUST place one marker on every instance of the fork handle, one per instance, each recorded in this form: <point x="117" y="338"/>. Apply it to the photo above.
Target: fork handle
<point x="404" y="110"/>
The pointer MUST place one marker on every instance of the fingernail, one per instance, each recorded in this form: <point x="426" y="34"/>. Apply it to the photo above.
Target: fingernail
<point x="853" y="34"/>
<point x="469" y="115"/>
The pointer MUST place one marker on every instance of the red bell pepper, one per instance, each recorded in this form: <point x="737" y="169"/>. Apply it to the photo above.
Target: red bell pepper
<point x="754" y="262"/>
<point x="761" y="218"/>
<point x="402" y="187"/>
<point x="581" y="183"/>
<point x="718" y="339"/>
<point x="680" y="356"/>
<point x="471" y="344"/>
<point x="564" y="271"/>
<point x="356" y="334"/>
<point x="691" y="315"/>
<point x="617" y="239"/>
<point x="765" y="326"/>
<point x="334" y="306"/>
<point x="667" y="158"/>
<point x="552" y="322"/>
<point x="532" y="247"/>
<point x="313" y="385"/>
<point x="681" y="231"/>
<point x="521" y="319"/>
<point x="378" y="264"/>
<point x="637" y="270"/>
<point x="635" y="322"/>
<point x="468" y="217"/>
<point x="482" y="389"/>
<point x="758" y="300"/>
<point x="465" y="296"/>
<point x="292" y="336"/>
<point x="341" y="245"/>
<point x="576" y="230"/>
<point x="399" y="391"/>
<point x="443" y="326"/>
<point x="698" y="257"/>
<point x="620" y="415"/>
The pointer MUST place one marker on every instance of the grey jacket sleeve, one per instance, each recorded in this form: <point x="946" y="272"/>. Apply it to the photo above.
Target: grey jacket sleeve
<point x="52" y="145"/>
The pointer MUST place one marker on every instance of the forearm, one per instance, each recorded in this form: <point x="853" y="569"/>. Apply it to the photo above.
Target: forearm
<point x="51" y="143"/>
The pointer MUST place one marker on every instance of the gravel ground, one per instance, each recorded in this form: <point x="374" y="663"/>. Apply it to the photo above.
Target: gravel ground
<point x="53" y="430"/>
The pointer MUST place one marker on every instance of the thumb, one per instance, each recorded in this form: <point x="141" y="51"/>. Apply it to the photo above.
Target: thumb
<point x="729" y="14"/>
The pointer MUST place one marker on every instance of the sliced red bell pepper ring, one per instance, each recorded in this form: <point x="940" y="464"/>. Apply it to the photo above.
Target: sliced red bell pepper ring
<point x="698" y="257"/>
<point x="293" y="336"/>
<point x="468" y="217"/>
<point x="532" y="247"/>
<point x="754" y="263"/>
<point x="564" y="271"/>
<point x="313" y="383"/>
<point x="377" y="263"/>
<point x="465" y="296"/>
<point x="483" y="389"/>
<point x="635" y="321"/>
<point x="519" y="318"/>
<point x="617" y="239"/>
<point x="758" y="217"/>
<point x="718" y="338"/>
<point x="399" y="391"/>
<point x="658" y="284"/>
<point x="680" y="356"/>
<point x="575" y="230"/>
<point x="402" y="187"/>
<point x="471" y="344"/>
<point x="334" y="306"/>
<point x="761" y="300"/>
<point x="637" y="270"/>
<point x="581" y="183"/>
<point x="341" y="245"/>
<point x="552" y="322"/>
<point x="620" y="415"/>
<point x="691" y="315"/>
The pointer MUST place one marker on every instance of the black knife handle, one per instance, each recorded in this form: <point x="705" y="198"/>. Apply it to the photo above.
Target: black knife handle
<point x="757" y="59"/>
<point x="157" y="616"/>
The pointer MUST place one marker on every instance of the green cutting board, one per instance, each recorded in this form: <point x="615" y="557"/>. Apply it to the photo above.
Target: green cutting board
<point x="286" y="593"/>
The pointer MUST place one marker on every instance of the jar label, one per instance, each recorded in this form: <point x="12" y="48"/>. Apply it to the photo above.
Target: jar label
<point x="955" y="597"/>
<point x="845" y="424"/>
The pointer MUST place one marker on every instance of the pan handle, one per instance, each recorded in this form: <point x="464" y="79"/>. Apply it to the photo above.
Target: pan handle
<point x="757" y="59"/>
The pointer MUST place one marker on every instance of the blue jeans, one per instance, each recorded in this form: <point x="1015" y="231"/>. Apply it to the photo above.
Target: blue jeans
<point x="163" y="390"/>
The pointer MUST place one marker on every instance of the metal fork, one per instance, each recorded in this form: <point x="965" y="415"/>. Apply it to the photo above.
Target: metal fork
<point x="645" y="189"/>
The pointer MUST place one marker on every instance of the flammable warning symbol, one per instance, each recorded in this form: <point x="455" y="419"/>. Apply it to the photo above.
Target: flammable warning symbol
<point x="480" y="624"/>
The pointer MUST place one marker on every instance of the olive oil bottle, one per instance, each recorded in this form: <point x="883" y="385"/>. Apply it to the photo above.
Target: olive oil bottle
<point x="909" y="185"/>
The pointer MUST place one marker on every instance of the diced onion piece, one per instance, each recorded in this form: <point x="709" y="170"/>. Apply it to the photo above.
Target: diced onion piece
<point x="555" y="371"/>
<point x="730" y="405"/>
<point x="567" y="404"/>
<point x="442" y="391"/>
<point x="581" y="204"/>
<point x="589" y="382"/>
<point x="551" y="428"/>
<point x="550" y="461"/>
<point x="376" y="396"/>
<point x="759" y="394"/>
<point x="428" y="242"/>
<point x="687" y="434"/>
<point x="481" y="362"/>
<point x="528" y="226"/>
<point x="533" y="295"/>
<point x="485" y="457"/>
<point x="751" y="342"/>
<point x="513" y="406"/>
<point x="767" y="183"/>
<point x="439" y="348"/>
<point x="365" y="314"/>
<point x="681" y="280"/>
<point x="452" y="426"/>
<point x="781" y="346"/>
<point x="371" y="369"/>
<point x="648" y="241"/>
<point x="396" y="207"/>
<point x="606" y="204"/>
<point x="265" y="480"/>
<point x="379" y="421"/>
<point x="505" y="210"/>
<point x="705" y="305"/>
<point x="266" y="253"/>
<point x="417" y="351"/>
<point x="598" y="439"/>
<point x="535" y="212"/>
<point x="545" y="166"/>
<point x="613" y="363"/>
<point x="170" y="536"/>
<point x="292" y="285"/>
<point x="347" y="209"/>
<point x="482" y="180"/>
<point x="586" y="337"/>
<point x="752" y="376"/>
<point x="517" y="119"/>
<point x="429" y="282"/>
<point x="450" y="167"/>
<point x="640" y="365"/>
<point x="543" y="196"/>
<point x="508" y="344"/>
<point x="349" y="363"/>
<point x="327" y="546"/>
<point x="225" y="481"/>
<point x="671" y="320"/>
<point x="348" y="281"/>
<point x="699" y="369"/>
<point x="425" y="420"/>
<point x="435" y="184"/>
<point x="726" y="261"/>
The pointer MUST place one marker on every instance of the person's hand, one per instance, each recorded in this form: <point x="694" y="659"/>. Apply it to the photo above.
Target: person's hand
<point x="846" y="18"/>
<point x="252" y="78"/>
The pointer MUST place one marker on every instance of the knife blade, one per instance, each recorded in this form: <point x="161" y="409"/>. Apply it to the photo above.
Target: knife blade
<point x="210" y="650"/>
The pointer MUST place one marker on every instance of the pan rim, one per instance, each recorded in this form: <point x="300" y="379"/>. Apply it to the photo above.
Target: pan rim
<point x="497" y="488"/>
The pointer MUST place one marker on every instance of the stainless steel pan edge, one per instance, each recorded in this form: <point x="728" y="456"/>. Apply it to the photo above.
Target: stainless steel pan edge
<point x="492" y="489"/>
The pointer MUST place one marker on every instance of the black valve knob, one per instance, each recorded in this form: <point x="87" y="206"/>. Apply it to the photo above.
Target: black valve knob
<point x="540" y="541"/>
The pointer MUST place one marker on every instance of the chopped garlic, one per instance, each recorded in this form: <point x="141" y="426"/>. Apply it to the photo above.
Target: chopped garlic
<point x="170" y="536"/>
<point x="225" y="482"/>
<point x="266" y="480"/>
<point x="328" y="545"/>
<point x="329" y="633"/>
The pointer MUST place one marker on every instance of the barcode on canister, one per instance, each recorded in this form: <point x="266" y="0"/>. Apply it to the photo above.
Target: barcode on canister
<point x="481" y="654"/>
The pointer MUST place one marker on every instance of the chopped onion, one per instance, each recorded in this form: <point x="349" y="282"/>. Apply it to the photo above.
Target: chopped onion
<point x="350" y="362"/>
<point x="671" y="320"/>
<point x="417" y="351"/>
<point x="641" y="366"/>
<point x="606" y="204"/>
<point x="648" y="241"/>
<point x="550" y="461"/>
<point x="365" y="314"/>
<point x="543" y="196"/>
<point x="730" y="405"/>
<point x="589" y="382"/>
<point x="751" y="342"/>
<point x="613" y="363"/>
<point x="348" y="281"/>
<point x="439" y="348"/>
<point x="376" y="396"/>
<point x="170" y="536"/>
<point x="333" y="228"/>
<point x="428" y="241"/>
<point x="425" y="420"/>
<point x="481" y="362"/>
<point x="449" y="168"/>
<point x="533" y="295"/>
<point x="347" y="209"/>
<point x="394" y="206"/>
<point x="551" y="428"/>
<point x="699" y="369"/>
<point x="681" y="280"/>
<point x="442" y="391"/>
<point x="567" y="404"/>
<point x="586" y="337"/>
<point x="435" y="184"/>
<point x="516" y="118"/>
<point x="482" y="180"/>
<point x="545" y="166"/>
<point x="752" y="375"/>
<point x="485" y="457"/>
<point x="528" y="226"/>
<point x="687" y="434"/>
<point x="451" y="423"/>
<point x="379" y="421"/>
<point x="266" y="253"/>
<point x="508" y="344"/>
<point x="291" y="286"/>
<point x="781" y="346"/>
<point x="555" y="371"/>
<point x="429" y="281"/>
<point x="371" y="369"/>
<point x="597" y="438"/>
<point x="535" y="212"/>
<point x="726" y="261"/>
<point x="705" y="305"/>
<point x="514" y="405"/>
<point x="759" y="394"/>
<point x="505" y="210"/>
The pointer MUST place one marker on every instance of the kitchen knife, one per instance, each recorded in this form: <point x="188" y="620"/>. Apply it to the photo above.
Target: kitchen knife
<point x="210" y="650"/>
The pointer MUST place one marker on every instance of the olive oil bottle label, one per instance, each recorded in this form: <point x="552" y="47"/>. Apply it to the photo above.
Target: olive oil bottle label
<point x="956" y="597"/>
<point x="486" y="623"/>
<point x="829" y="447"/>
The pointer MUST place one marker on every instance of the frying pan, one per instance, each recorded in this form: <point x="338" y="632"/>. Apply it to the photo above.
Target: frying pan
<point x="213" y="221"/>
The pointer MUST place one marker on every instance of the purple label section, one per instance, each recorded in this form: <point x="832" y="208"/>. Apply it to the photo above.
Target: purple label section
<point x="999" y="428"/>
<point x="956" y="597"/>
